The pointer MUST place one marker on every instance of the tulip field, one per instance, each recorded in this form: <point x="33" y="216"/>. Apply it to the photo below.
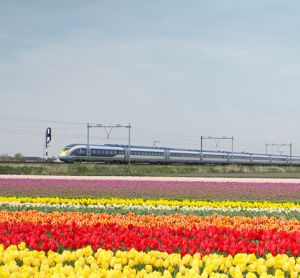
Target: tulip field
<point x="148" y="227"/>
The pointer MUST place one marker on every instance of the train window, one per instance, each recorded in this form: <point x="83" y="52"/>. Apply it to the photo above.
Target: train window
<point x="80" y="152"/>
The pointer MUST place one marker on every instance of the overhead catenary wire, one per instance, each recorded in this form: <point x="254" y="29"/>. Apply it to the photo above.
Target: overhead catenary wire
<point x="22" y="125"/>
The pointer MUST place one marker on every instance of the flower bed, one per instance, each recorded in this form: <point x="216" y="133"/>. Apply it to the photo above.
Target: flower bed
<point x="183" y="189"/>
<point x="109" y="230"/>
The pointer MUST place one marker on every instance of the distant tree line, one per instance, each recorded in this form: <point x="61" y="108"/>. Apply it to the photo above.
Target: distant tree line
<point x="19" y="157"/>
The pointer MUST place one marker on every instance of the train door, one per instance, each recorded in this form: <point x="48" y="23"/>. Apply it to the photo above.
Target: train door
<point x="167" y="156"/>
<point x="126" y="154"/>
<point x="227" y="158"/>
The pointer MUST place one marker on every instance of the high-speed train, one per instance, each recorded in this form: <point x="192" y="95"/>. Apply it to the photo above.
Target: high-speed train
<point x="109" y="153"/>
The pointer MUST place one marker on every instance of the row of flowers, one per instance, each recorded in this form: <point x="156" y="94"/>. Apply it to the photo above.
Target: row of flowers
<point x="173" y="221"/>
<point x="19" y="261"/>
<point x="131" y="207"/>
<point x="134" y="188"/>
<point x="186" y="241"/>
<point x="156" y="202"/>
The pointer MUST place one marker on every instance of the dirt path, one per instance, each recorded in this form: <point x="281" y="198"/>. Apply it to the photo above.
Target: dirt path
<point x="186" y="179"/>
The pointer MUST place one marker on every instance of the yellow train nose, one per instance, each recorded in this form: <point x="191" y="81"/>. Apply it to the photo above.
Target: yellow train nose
<point x="63" y="153"/>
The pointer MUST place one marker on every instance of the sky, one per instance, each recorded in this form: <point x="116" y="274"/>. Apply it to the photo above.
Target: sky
<point x="176" y="70"/>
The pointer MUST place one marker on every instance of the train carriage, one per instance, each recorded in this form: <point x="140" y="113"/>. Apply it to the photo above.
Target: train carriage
<point x="214" y="157"/>
<point x="184" y="156"/>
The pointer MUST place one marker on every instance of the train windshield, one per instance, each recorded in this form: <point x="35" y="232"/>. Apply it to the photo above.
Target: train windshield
<point x="69" y="147"/>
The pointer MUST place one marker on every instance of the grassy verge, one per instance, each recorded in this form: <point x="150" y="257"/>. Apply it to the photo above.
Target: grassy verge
<point x="89" y="169"/>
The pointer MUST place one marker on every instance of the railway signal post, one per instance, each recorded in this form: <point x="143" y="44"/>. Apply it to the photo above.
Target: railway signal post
<point x="48" y="139"/>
